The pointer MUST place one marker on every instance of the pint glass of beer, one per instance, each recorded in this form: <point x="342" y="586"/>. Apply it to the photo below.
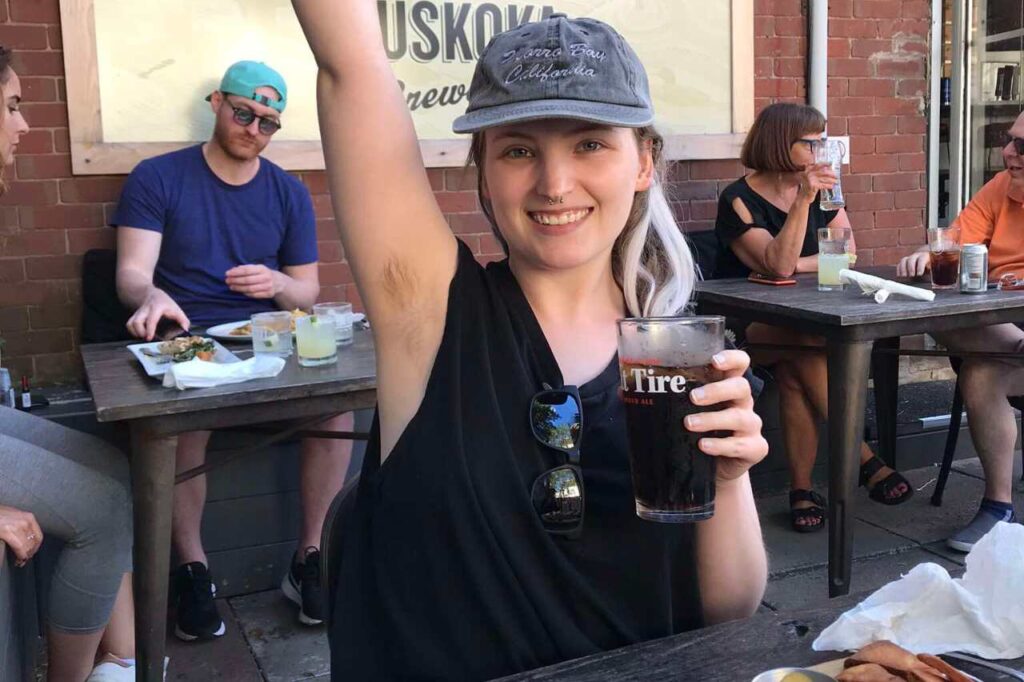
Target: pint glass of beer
<point x="944" y="256"/>
<point x="662" y="359"/>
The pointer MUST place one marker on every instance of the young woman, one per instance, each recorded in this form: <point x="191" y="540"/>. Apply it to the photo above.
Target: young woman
<point x="767" y="222"/>
<point x="449" y="570"/>
<point x="73" y="486"/>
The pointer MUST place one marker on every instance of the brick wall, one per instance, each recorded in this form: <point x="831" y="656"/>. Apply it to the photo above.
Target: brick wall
<point x="877" y="68"/>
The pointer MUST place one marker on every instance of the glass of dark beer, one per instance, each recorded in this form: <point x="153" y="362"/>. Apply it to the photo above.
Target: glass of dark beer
<point x="662" y="359"/>
<point x="944" y="255"/>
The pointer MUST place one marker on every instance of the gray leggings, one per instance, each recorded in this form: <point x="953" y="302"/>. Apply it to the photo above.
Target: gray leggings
<point x="76" y="485"/>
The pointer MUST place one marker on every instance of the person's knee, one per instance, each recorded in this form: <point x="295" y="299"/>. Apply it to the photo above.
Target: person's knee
<point x="983" y="381"/>
<point x="786" y="378"/>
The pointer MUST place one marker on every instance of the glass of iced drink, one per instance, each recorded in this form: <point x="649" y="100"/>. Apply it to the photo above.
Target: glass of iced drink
<point x="833" y="256"/>
<point x="944" y="256"/>
<point x="341" y="313"/>
<point x="662" y="359"/>
<point x="272" y="333"/>
<point x="314" y="340"/>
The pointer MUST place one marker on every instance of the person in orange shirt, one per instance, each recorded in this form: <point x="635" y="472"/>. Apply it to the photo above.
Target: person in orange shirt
<point x="994" y="217"/>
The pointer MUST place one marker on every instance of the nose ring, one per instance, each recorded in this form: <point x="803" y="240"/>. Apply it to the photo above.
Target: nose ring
<point x="556" y="200"/>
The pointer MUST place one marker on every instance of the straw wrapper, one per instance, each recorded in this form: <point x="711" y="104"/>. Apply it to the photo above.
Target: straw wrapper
<point x="883" y="288"/>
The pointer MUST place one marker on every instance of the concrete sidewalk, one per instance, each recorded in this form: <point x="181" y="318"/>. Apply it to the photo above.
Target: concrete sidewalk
<point x="264" y="641"/>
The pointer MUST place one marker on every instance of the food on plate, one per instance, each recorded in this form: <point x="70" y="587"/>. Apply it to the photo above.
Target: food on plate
<point x="185" y="348"/>
<point x="885" y="662"/>
<point x="246" y="329"/>
<point x="796" y="677"/>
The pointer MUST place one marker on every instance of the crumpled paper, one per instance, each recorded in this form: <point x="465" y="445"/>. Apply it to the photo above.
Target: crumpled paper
<point x="927" y="611"/>
<point x="883" y="288"/>
<point x="198" y="373"/>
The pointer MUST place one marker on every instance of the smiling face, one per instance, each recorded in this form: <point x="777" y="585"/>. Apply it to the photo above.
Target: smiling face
<point x="14" y="125"/>
<point x="560" y="190"/>
<point x="241" y="143"/>
<point x="1013" y="160"/>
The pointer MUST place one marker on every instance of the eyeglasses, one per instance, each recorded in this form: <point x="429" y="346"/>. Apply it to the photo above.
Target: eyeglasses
<point x="556" y="420"/>
<point x="244" y="117"/>
<point x="811" y="144"/>
<point x="1018" y="144"/>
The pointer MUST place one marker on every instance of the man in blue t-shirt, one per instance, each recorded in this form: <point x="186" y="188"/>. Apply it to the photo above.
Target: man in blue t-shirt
<point x="210" y="234"/>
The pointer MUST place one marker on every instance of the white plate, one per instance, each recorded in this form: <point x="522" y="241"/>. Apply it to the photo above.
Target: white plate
<point x="155" y="368"/>
<point x="223" y="331"/>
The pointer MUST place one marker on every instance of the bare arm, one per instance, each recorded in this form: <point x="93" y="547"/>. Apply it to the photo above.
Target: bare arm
<point x="294" y="286"/>
<point x="137" y="254"/>
<point x="402" y="253"/>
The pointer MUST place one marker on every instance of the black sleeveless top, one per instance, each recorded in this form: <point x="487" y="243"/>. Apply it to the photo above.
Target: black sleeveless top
<point x="729" y="226"/>
<point x="446" y="571"/>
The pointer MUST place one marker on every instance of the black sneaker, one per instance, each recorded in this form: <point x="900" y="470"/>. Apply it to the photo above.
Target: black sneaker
<point x="198" y="617"/>
<point x="302" y="586"/>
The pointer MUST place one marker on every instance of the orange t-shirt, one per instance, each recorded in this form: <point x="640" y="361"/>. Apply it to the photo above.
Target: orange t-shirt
<point x="994" y="219"/>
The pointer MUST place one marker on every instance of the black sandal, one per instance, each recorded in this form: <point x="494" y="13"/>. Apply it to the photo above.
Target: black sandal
<point x="813" y="517"/>
<point x="879" y="492"/>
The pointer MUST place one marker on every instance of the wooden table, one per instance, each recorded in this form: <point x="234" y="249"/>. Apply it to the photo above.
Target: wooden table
<point x="851" y="324"/>
<point x="155" y="415"/>
<point x="731" y="652"/>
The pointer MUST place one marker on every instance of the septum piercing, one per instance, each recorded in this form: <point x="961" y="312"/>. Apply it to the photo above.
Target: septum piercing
<point x="556" y="200"/>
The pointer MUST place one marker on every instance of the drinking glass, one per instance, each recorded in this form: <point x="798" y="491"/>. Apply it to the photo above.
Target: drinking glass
<point x="341" y="313"/>
<point x="831" y="152"/>
<point x="272" y="333"/>
<point x="662" y="359"/>
<point x="833" y="256"/>
<point x="314" y="338"/>
<point x="944" y="256"/>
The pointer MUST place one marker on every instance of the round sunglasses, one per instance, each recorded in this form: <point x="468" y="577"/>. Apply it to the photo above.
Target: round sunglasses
<point x="556" y="420"/>
<point x="244" y="117"/>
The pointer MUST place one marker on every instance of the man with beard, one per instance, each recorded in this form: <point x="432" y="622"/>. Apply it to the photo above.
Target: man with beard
<point x="994" y="217"/>
<point x="210" y="234"/>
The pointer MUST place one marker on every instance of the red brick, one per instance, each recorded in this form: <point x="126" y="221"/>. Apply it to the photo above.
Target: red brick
<point x="38" y="90"/>
<point x="695" y="189"/>
<point x="39" y="64"/>
<point x="703" y="210"/>
<point x="870" y="239"/>
<point x="888" y="28"/>
<point x="837" y="125"/>
<point x="23" y="37"/>
<point x="838" y="87"/>
<point x="862" y="145"/>
<point x="861" y="220"/>
<point x="62" y="90"/>
<point x="867" y="48"/>
<point x="853" y="28"/>
<point x="460" y="179"/>
<point x="764" y="26"/>
<point x="779" y="8"/>
<point x="13" y="319"/>
<point x="57" y="368"/>
<point x="42" y="166"/>
<point x="895" y="107"/>
<point x="63" y="216"/>
<point x="898" y="218"/>
<point x="61" y="141"/>
<point x="840" y="8"/>
<point x="716" y="170"/>
<point x="838" y="47"/>
<point x="330" y="251"/>
<point x="39" y="293"/>
<point x="912" y="162"/>
<point x="678" y="171"/>
<point x="763" y="67"/>
<point x="80" y="241"/>
<point x="865" y="258"/>
<point x="436" y="178"/>
<point x="912" y="199"/>
<point x="856" y="183"/>
<point x="911" y="124"/>
<point x="853" y="106"/>
<point x="322" y="207"/>
<point x="10" y="222"/>
<point x="53" y="267"/>
<point x="326" y="229"/>
<point x="872" y="125"/>
<point x="56" y="315"/>
<point x="316" y="182"/>
<point x="852" y="68"/>
<point x="54" y="37"/>
<point x="890" y="144"/>
<point x="790" y="26"/>
<point x="490" y="246"/>
<point x="469" y="223"/>
<point x="35" y="11"/>
<point x="916" y="9"/>
<point x="46" y="114"/>
<point x="913" y="236"/>
<point x="779" y="47"/>
<point x="457" y="202"/>
<point x="872" y="87"/>
<point x="335" y="273"/>
<point x="12" y="270"/>
<point x="791" y="67"/>
<point x="876" y="9"/>
<point x="91" y="189"/>
<point x="900" y="67"/>
<point x="36" y="342"/>
<point x="34" y="244"/>
<point x="897" y="181"/>
<point x="891" y="255"/>
<point x="36" y="142"/>
<point x="775" y="87"/>
<point x="874" y="200"/>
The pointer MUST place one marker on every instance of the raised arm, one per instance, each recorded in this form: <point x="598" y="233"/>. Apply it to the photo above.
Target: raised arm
<point x="401" y="251"/>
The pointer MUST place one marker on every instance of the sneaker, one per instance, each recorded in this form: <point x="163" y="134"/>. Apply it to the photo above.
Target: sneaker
<point x="114" y="669"/>
<point x="984" y="521"/>
<point x="198" y="617"/>
<point x="302" y="586"/>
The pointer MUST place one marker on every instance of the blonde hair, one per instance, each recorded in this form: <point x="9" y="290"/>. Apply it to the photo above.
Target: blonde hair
<point x="651" y="261"/>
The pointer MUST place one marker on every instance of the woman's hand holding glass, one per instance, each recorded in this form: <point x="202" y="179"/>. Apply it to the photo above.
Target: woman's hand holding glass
<point x="744" y="446"/>
<point x="814" y="178"/>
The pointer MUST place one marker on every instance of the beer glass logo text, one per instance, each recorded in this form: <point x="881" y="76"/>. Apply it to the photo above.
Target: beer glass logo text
<point x="646" y="380"/>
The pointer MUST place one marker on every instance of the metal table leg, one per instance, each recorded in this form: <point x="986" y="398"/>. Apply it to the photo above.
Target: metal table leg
<point x="848" y="364"/>
<point x="152" y="468"/>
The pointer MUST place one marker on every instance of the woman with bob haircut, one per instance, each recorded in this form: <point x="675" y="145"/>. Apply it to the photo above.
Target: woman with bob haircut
<point x="450" y="570"/>
<point x="767" y="223"/>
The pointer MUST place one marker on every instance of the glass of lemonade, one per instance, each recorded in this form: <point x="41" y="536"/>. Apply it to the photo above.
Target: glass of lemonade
<point x="314" y="338"/>
<point x="833" y="256"/>
<point x="272" y="333"/>
<point x="341" y="313"/>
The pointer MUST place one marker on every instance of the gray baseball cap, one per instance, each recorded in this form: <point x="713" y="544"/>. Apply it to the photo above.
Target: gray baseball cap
<point x="558" y="68"/>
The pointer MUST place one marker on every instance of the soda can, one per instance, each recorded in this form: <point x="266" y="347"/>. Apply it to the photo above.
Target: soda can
<point x="973" y="269"/>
